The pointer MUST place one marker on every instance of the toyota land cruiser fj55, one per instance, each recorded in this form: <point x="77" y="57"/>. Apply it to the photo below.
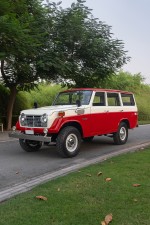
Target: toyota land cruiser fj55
<point x="77" y="114"/>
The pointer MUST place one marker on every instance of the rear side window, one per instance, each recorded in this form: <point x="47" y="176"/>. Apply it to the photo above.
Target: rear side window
<point x="127" y="99"/>
<point x="113" y="99"/>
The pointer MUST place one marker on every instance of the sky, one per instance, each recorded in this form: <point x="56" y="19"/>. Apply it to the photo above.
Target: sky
<point x="130" y="21"/>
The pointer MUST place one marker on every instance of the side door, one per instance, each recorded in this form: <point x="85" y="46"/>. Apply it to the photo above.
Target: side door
<point x="115" y="111"/>
<point x="99" y="114"/>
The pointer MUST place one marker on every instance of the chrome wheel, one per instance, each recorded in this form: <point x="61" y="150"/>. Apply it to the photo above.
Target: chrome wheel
<point x="123" y="133"/>
<point x="71" y="142"/>
<point x="68" y="141"/>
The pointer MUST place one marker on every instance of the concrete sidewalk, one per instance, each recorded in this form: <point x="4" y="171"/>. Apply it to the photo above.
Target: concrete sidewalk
<point x="5" y="137"/>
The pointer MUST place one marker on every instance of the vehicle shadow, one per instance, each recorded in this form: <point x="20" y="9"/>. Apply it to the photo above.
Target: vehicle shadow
<point x="97" y="144"/>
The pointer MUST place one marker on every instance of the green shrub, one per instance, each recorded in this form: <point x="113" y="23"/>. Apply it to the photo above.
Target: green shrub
<point x="44" y="95"/>
<point x="134" y="83"/>
<point x="21" y="102"/>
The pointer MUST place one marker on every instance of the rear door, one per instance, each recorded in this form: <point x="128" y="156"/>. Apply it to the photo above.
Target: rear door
<point x="115" y="111"/>
<point x="99" y="114"/>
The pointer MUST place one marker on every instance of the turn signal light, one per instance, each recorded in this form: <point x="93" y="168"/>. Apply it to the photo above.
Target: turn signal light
<point x="61" y="113"/>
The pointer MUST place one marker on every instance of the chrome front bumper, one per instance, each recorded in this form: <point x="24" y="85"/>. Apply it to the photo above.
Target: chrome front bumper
<point x="31" y="137"/>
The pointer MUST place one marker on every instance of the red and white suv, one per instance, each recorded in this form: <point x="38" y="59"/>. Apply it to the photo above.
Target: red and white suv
<point x="77" y="114"/>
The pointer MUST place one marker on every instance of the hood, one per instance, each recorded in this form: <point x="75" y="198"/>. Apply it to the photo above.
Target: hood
<point x="48" y="109"/>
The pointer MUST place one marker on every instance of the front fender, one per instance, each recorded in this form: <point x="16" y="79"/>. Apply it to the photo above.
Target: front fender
<point x="61" y="122"/>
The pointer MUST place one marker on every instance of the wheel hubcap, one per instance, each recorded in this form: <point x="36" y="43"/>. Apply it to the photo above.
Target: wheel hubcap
<point x="123" y="133"/>
<point x="71" y="142"/>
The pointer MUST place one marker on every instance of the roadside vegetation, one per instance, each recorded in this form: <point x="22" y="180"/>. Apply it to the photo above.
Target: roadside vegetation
<point x="45" y="93"/>
<point x="134" y="83"/>
<point x="118" y="186"/>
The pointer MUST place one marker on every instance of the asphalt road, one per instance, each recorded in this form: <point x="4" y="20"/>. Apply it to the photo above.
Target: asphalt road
<point x="17" y="166"/>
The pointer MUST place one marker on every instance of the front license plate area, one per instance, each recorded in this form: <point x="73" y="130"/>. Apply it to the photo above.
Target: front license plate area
<point x="29" y="131"/>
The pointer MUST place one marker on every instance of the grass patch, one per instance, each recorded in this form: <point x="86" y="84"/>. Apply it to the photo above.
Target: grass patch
<point x="84" y="198"/>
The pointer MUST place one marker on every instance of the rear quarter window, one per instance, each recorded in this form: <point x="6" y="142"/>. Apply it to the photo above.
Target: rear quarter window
<point x="127" y="99"/>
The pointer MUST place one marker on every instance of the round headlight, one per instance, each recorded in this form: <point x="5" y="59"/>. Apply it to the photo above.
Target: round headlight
<point x="44" y="118"/>
<point x="23" y="117"/>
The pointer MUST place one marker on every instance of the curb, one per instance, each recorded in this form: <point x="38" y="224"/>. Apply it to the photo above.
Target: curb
<point x="28" y="185"/>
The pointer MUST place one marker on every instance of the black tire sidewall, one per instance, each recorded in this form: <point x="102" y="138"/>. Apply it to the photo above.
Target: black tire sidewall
<point x="116" y="137"/>
<point x="61" y="141"/>
<point x="25" y="145"/>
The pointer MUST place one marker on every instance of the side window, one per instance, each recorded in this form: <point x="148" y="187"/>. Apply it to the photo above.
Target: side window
<point x="113" y="99"/>
<point x="99" y="99"/>
<point x="127" y="99"/>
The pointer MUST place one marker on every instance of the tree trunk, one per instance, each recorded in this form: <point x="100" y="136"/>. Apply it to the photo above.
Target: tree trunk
<point x="11" y="101"/>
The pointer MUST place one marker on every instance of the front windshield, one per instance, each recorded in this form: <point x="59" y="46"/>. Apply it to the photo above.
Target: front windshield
<point x="72" y="97"/>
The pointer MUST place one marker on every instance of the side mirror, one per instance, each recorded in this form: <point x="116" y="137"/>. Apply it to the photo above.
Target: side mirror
<point x="78" y="103"/>
<point x="35" y="105"/>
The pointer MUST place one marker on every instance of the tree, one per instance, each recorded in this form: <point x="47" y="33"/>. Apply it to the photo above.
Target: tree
<point x="84" y="48"/>
<point x="23" y="32"/>
<point x="68" y="46"/>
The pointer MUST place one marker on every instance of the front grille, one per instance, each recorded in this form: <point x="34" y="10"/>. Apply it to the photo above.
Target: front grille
<point x="33" y="121"/>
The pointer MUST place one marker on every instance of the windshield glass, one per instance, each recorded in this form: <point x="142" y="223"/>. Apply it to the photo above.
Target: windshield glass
<point x="73" y="97"/>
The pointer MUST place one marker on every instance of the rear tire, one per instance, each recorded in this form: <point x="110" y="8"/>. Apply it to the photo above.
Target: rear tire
<point x="30" y="146"/>
<point x="121" y="136"/>
<point x="68" y="142"/>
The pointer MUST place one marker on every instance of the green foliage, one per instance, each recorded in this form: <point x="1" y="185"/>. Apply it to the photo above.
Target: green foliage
<point x="20" y="104"/>
<point x="24" y="31"/>
<point x="44" y="94"/>
<point x="85" y="51"/>
<point x="142" y="99"/>
<point x="68" y="46"/>
<point x="4" y="7"/>
<point x="124" y="81"/>
<point x="134" y="83"/>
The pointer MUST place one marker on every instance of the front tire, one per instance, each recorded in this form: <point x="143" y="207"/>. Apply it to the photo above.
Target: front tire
<point x="121" y="136"/>
<point x="68" y="142"/>
<point x="30" y="146"/>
